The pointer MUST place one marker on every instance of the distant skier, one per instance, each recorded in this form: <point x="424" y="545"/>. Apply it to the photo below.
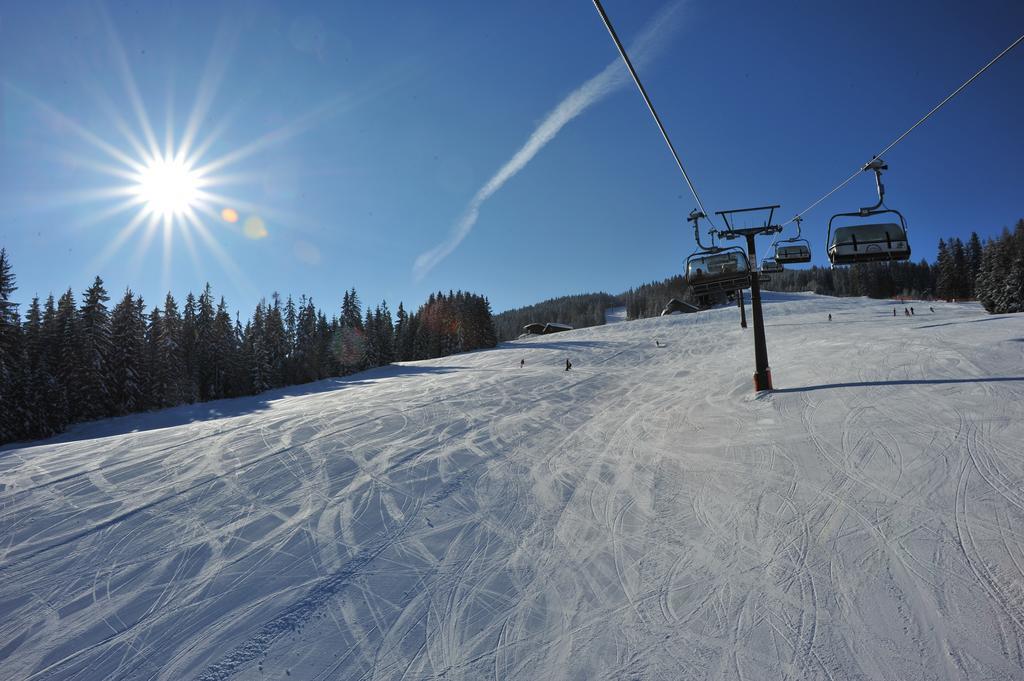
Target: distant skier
<point x="522" y="363"/>
<point x="932" y="309"/>
<point x="568" y="364"/>
<point x="830" y="316"/>
<point x="894" y="312"/>
<point x="911" y="312"/>
<point x="906" y="312"/>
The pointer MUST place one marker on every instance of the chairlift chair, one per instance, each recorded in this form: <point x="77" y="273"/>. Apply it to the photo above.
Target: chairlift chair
<point x="873" y="242"/>
<point x="793" y="251"/>
<point x="718" y="269"/>
<point x="876" y="242"/>
<point x="771" y="265"/>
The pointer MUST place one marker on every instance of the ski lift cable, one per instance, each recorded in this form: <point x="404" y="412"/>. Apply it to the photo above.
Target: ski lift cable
<point x="650" y="105"/>
<point x="899" y="139"/>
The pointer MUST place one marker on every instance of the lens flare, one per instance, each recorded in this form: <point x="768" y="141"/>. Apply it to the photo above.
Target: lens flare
<point x="229" y="215"/>
<point x="254" y="228"/>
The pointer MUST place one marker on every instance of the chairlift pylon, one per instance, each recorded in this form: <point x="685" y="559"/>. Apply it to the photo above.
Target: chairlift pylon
<point x="873" y="242"/>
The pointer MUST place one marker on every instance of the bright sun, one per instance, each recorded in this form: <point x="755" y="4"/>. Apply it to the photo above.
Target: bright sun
<point x="168" y="187"/>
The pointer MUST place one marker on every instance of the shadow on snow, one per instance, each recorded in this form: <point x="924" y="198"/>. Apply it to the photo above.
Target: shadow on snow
<point x="527" y="343"/>
<point x="199" y="412"/>
<point x="966" y="321"/>
<point x="924" y="381"/>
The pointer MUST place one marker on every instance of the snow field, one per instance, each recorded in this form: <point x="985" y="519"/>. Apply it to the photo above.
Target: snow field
<point x="641" y="516"/>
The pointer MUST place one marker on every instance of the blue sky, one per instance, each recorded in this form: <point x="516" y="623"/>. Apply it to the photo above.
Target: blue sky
<point x="360" y="133"/>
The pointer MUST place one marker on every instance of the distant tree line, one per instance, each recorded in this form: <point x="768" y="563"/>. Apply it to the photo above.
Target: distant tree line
<point x="874" y="280"/>
<point x="578" y="311"/>
<point x="445" y="325"/>
<point x="991" y="272"/>
<point x="648" y="300"/>
<point x="67" y="362"/>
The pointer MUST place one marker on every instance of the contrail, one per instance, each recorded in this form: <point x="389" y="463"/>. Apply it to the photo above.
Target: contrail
<point x="579" y="100"/>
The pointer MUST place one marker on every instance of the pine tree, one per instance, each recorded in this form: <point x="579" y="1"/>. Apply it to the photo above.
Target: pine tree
<point x="64" y="347"/>
<point x="33" y="334"/>
<point x="291" y="320"/>
<point x="206" y="347"/>
<point x="189" y="350"/>
<point x="961" y="272"/>
<point x="127" y="372"/>
<point x="41" y="400"/>
<point x="403" y="341"/>
<point x="973" y="261"/>
<point x="240" y="378"/>
<point x="307" y="343"/>
<point x="275" y="341"/>
<point x="156" y="379"/>
<point x="945" y="284"/>
<point x="171" y="369"/>
<point x="225" y="359"/>
<point x="93" y="368"/>
<point x="257" y="356"/>
<point x="385" y="333"/>
<point x="12" y="373"/>
<point x="1014" y="285"/>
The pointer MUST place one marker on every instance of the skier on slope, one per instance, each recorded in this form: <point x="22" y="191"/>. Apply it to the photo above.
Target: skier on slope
<point x="568" y="364"/>
<point x="522" y="363"/>
<point x="830" y="316"/>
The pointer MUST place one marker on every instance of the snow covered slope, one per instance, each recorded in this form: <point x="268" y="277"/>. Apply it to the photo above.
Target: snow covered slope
<point x="642" y="516"/>
<point x="614" y="315"/>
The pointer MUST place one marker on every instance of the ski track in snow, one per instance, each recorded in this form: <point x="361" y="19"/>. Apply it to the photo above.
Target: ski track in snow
<point x="643" y="516"/>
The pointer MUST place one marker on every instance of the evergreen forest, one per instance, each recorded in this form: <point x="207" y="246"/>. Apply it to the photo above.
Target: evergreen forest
<point x="63" y="360"/>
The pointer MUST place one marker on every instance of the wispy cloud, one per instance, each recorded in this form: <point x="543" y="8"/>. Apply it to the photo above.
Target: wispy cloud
<point x="579" y="100"/>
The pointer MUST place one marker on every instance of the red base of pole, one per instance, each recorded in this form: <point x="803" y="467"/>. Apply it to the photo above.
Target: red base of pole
<point x="767" y="384"/>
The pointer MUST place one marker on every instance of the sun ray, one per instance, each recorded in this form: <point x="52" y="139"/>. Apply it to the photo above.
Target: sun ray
<point x="190" y="246"/>
<point x="234" y="272"/>
<point x="105" y="214"/>
<point x="209" y="83"/>
<point x="142" y="247"/>
<point x="281" y="134"/>
<point x="65" y="199"/>
<point x="169" y="124"/>
<point x="165" y="269"/>
<point x="227" y="179"/>
<point x="105" y="168"/>
<point x="104" y="256"/>
<point x="201" y="149"/>
<point x="239" y="204"/>
<point x="114" y="115"/>
<point x="128" y="80"/>
<point x="80" y="131"/>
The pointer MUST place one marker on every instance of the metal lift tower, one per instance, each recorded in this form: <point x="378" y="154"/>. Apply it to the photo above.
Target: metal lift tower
<point x="762" y="372"/>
